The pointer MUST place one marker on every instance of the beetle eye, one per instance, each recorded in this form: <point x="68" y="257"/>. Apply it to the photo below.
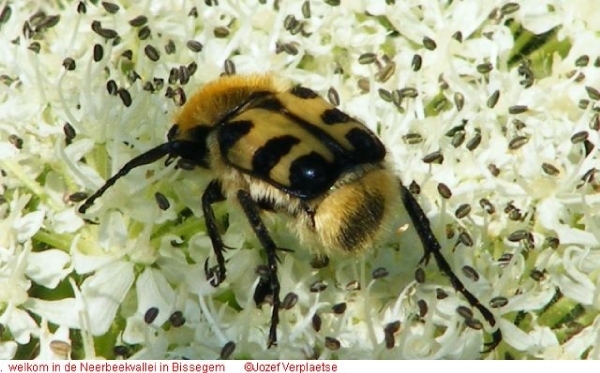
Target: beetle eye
<point x="173" y="132"/>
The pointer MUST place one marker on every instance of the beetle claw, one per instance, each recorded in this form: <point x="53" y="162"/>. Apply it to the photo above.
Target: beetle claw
<point x="214" y="275"/>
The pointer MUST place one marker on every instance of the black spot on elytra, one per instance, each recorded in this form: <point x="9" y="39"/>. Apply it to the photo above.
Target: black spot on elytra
<point x="333" y="116"/>
<point x="311" y="174"/>
<point x="271" y="104"/>
<point x="367" y="146"/>
<point x="303" y="92"/>
<point x="268" y="155"/>
<point x="231" y="132"/>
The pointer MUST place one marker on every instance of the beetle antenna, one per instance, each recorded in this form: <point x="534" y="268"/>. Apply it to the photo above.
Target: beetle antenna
<point x="148" y="157"/>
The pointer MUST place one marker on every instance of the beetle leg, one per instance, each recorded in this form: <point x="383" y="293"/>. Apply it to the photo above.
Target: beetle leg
<point x="214" y="194"/>
<point x="432" y="247"/>
<point x="251" y="209"/>
<point x="262" y="293"/>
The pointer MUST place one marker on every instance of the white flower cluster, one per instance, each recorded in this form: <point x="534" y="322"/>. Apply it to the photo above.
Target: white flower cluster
<point x="488" y="108"/>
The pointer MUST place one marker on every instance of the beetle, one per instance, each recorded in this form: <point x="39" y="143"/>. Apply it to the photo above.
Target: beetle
<point x="282" y="148"/>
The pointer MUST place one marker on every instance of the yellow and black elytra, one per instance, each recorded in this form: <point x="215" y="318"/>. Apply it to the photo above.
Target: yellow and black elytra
<point x="272" y="146"/>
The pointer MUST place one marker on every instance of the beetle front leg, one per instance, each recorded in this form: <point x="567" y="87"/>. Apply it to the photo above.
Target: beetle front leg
<point x="251" y="209"/>
<point x="214" y="194"/>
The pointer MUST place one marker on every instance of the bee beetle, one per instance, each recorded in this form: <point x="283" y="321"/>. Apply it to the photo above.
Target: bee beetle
<point x="272" y="146"/>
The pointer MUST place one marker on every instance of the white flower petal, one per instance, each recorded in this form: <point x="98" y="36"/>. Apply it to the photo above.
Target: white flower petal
<point x="85" y="263"/>
<point x="59" y="312"/>
<point x="28" y="225"/>
<point x="153" y="290"/>
<point x="78" y="149"/>
<point x="586" y="338"/>
<point x="8" y="349"/>
<point x="536" y="16"/>
<point x="103" y="293"/>
<point x="156" y="349"/>
<point x="20" y="324"/>
<point x="48" y="267"/>
<point x="7" y="150"/>
<point x="514" y="336"/>
<point x="575" y="236"/>
<point x="65" y="221"/>
<point x="530" y="300"/>
<point x="135" y="330"/>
